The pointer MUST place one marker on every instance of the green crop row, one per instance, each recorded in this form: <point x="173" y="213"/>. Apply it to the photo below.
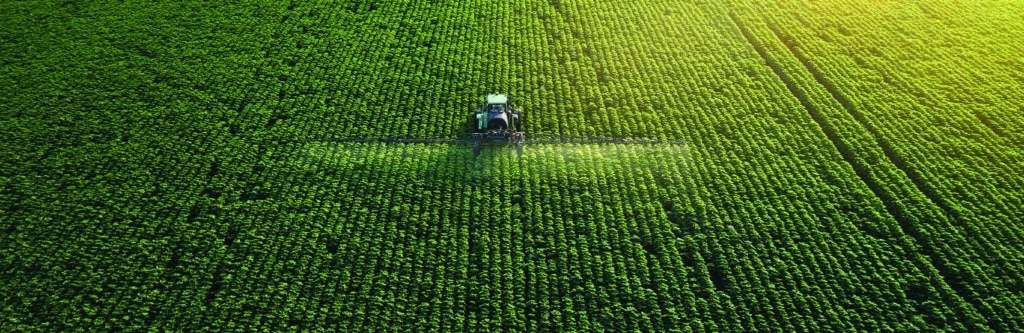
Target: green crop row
<point x="160" y="175"/>
<point x="941" y="154"/>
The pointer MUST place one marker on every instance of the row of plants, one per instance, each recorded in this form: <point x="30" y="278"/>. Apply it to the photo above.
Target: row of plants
<point x="198" y="204"/>
<point x="755" y="146"/>
<point x="930" y="134"/>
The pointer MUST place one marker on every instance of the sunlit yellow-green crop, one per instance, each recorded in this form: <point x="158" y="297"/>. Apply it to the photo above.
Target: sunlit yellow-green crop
<point x="688" y="166"/>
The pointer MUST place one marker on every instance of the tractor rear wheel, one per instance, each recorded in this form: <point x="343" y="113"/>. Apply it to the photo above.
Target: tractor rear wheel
<point x="519" y="140"/>
<point x="476" y="146"/>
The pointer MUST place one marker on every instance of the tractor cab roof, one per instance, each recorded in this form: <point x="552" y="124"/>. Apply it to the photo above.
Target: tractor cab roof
<point x="497" y="99"/>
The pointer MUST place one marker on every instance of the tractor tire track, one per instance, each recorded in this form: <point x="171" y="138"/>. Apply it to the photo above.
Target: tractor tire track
<point x="902" y="216"/>
<point x="887" y="148"/>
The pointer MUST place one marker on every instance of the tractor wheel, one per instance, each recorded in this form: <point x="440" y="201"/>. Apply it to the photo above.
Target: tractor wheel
<point x="476" y="146"/>
<point x="520" y="138"/>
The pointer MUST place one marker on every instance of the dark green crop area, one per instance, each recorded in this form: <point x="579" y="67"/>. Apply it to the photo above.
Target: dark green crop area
<point x="824" y="166"/>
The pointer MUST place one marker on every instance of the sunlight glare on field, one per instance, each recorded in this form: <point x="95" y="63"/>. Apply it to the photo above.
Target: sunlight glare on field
<point x="606" y="153"/>
<point x="543" y="158"/>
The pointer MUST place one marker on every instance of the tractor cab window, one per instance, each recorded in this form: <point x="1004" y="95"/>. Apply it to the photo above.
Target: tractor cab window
<point x="495" y="108"/>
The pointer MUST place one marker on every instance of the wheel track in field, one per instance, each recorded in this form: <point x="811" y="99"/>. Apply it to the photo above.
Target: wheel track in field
<point x="893" y="209"/>
<point x="887" y="148"/>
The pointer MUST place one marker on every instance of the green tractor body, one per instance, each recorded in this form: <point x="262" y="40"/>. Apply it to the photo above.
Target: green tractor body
<point x="498" y="121"/>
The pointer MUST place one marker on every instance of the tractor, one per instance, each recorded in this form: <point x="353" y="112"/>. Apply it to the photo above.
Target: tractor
<point x="497" y="122"/>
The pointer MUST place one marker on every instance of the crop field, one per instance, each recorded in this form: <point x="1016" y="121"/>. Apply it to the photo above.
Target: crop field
<point x="784" y="166"/>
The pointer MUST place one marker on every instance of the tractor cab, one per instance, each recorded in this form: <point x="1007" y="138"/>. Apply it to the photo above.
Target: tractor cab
<point x="497" y="99"/>
<point x="496" y="115"/>
<point x="497" y="121"/>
